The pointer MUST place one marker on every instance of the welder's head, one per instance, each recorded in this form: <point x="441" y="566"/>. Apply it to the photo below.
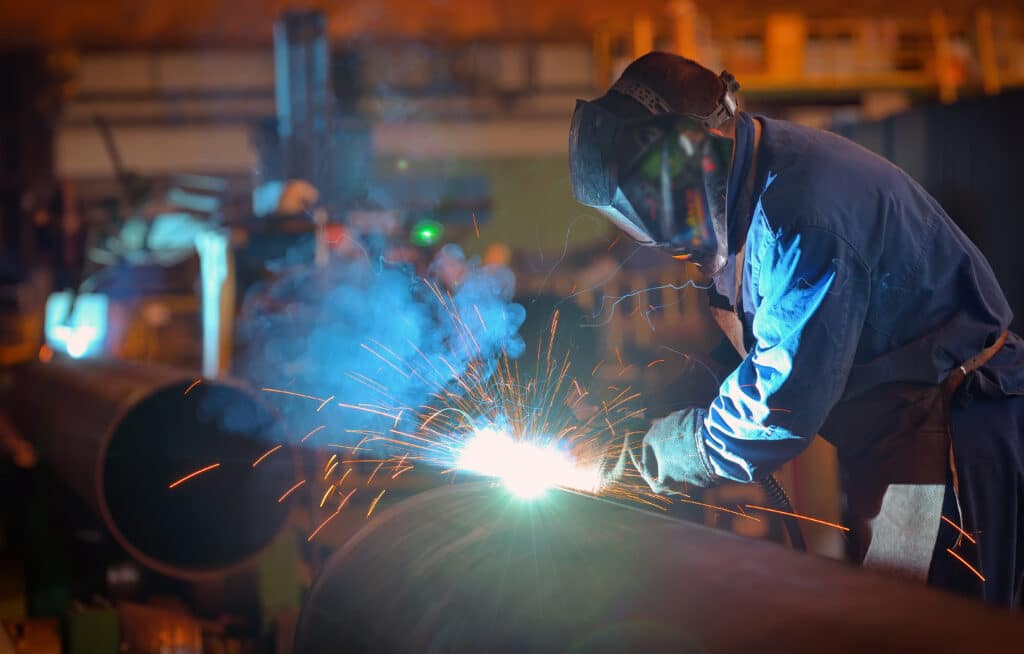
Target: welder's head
<point x="654" y="155"/>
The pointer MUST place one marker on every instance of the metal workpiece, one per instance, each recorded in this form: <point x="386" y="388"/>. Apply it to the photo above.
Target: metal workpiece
<point x="471" y="568"/>
<point x="119" y="434"/>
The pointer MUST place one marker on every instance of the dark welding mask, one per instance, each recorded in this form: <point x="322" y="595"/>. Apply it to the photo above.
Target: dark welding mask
<point x="662" y="178"/>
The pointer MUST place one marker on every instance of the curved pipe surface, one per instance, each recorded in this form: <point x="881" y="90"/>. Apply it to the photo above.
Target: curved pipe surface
<point x="470" y="568"/>
<point x="119" y="434"/>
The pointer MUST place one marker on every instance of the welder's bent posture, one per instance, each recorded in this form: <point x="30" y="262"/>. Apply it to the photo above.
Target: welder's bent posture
<point x="863" y="313"/>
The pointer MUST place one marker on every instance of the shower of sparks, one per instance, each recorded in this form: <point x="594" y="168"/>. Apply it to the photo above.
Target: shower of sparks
<point x="490" y="420"/>
<point x="327" y="493"/>
<point x="958" y="528"/>
<point x="373" y="474"/>
<point x="798" y="516"/>
<point x="266" y="454"/>
<point x="341" y="505"/>
<point x="311" y="432"/>
<point x="966" y="564"/>
<point x="493" y="422"/>
<point x="293" y="394"/>
<point x="290" y="491"/>
<point x="193" y="475"/>
<point x="550" y="428"/>
<point x="330" y="469"/>
<point x="373" y="504"/>
<point x="531" y="432"/>
<point x="192" y="385"/>
<point x="715" y="507"/>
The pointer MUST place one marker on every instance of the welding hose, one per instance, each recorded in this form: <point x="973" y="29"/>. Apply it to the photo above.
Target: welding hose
<point x="778" y="499"/>
<point x="776" y="495"/>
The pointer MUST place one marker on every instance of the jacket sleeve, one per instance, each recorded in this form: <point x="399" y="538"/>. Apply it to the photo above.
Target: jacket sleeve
<point x="812" y="291"/>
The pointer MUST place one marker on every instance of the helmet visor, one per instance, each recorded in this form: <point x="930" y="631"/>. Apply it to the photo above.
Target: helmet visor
<point x="661" y="179"/>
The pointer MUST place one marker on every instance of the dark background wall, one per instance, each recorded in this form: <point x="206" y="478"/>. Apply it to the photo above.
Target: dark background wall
<point x="970" y="156"/>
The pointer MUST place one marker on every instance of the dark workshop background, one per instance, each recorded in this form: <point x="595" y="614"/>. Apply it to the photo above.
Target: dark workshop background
<point x="299" y="131"/>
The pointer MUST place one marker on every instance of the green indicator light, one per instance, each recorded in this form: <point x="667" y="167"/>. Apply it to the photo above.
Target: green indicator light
<point x="426" y="233"/>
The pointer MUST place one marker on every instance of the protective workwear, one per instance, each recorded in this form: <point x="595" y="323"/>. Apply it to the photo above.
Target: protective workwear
<point x="661" y="177"/>
<point x="672" y="456"/>
<point x="858" y="297"/>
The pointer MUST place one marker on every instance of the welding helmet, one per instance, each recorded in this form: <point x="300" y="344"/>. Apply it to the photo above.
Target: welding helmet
<point x="660" y="176"/>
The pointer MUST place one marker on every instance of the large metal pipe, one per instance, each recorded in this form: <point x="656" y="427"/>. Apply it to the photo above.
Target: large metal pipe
<point x="472" y="569"/>
<point x="119" y="434"/>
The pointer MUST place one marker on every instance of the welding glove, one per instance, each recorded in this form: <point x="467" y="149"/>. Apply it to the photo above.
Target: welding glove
<point x="673" y="453"/>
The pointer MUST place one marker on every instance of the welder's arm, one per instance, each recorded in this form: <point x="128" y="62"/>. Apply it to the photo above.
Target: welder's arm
<point x="813" y="292"/>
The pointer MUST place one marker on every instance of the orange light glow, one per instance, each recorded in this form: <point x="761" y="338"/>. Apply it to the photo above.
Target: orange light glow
<point x="293" y="394"/>
<point x="193" y="475"/>
<point x="323" y="524"/>
<point x="374" y="473"/>
<point x="962" y="532"/>
<point x="265" y="455"/>
<point x="330" y="470"/>
<point x="327" y="493"/>
<point x="373" y="504"/>
<point x="966" y="564"/>
<point x="715" y="507"/>
<point x="311" y="432"/>
<point x="798" y="517"/>
<point x="342" y="480"/>
<point x="290" y="491"/>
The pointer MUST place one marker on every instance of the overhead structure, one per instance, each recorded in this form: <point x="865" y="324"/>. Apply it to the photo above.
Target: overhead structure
<point x="212" y="22"/>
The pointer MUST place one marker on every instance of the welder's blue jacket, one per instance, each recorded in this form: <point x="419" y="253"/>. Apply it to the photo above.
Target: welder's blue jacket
<point x="853" y="277"/>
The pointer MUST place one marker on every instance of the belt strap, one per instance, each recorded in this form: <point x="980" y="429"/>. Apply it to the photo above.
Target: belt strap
<point x="949" y="386"/>
<point x="959" y="374"/>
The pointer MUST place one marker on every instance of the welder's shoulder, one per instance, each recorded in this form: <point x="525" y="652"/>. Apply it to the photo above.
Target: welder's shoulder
<point x="819" y="179"/>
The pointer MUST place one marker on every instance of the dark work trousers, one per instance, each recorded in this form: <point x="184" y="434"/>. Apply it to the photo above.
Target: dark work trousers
<point x="988" y="445"/>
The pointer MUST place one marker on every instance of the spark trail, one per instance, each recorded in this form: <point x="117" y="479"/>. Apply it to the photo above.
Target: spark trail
<point x="490" y="413"/>
<point x="435" y="387"/>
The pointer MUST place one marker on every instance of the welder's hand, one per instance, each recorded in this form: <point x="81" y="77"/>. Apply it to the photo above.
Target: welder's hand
<point x="616" y="470"/>
<point x="673" y="453"/>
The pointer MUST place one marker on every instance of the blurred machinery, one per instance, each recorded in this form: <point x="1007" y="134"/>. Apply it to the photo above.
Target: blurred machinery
<point x="167" y="505"/>
<point x="319" y="138"/>
<point x="148" y="277"/>
<point x="156" y="270"/>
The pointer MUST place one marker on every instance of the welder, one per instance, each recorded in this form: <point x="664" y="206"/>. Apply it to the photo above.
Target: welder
<point x="860" y="309"/>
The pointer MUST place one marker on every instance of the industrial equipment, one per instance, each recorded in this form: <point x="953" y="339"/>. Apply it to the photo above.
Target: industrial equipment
<point x="472" y="568"/>
<point x="120" y="434"/>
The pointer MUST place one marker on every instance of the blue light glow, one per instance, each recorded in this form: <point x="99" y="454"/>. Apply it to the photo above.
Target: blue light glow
<point x="212" y="247"/>
<point x="80" y="334"/>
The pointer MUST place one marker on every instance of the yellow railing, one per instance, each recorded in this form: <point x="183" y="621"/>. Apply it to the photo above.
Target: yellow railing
<point x="787" y="53"/>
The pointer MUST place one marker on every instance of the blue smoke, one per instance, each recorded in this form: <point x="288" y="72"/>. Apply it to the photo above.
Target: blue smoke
<point x="373" y="335"/>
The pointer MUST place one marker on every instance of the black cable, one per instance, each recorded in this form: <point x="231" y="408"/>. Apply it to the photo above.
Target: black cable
<point x="778" y="499"/>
